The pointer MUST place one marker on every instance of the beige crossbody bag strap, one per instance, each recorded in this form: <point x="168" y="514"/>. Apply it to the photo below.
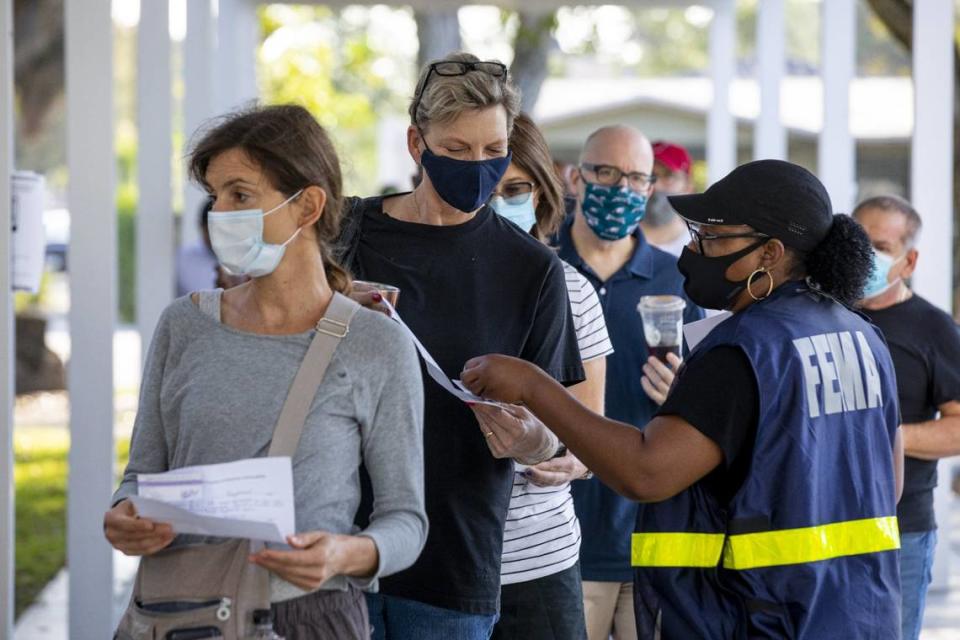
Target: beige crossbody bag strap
<point x="331" y="328"/>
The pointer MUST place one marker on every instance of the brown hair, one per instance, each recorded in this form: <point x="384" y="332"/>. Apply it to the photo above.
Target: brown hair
<point x="894" y="204"/>
<point x="294" y="152"/>
<point x="446" y="97"/>
<point x="531" y="153"/>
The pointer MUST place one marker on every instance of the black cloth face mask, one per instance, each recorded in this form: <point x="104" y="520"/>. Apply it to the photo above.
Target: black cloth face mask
<point x="705" y="280"/>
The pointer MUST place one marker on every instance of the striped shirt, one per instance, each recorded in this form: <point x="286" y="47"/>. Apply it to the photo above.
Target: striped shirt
<point x="542" y="535"/>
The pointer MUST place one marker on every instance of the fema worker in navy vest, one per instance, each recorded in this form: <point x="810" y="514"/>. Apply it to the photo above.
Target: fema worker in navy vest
<point x="771" y="473"/>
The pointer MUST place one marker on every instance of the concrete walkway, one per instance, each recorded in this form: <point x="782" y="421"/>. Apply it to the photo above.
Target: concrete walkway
<point x="941" y="620"/>
<point x="46" y="619"/>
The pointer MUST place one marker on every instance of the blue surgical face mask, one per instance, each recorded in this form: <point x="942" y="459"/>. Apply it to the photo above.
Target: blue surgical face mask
<point x="463" y="184"/>
<point x="237" y="239"/>
<point x="521" y="214"/>
<point x="614" y="212"/>
<point x="877" y="283"/>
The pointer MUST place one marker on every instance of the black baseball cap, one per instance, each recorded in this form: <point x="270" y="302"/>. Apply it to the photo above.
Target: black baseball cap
<point x="780" y="199"/>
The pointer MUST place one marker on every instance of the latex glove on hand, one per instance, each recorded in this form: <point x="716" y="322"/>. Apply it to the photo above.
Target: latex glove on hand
<point x="511" y="431"/>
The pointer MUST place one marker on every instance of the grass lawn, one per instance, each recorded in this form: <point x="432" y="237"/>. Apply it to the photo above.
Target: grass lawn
<point x="40" y="477"/>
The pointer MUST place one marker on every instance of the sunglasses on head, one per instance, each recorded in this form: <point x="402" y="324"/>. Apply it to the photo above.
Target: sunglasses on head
<point x="452" y="69"/>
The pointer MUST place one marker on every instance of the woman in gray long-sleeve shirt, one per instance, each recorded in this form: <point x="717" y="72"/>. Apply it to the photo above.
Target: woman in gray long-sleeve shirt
<point x="221" y="364"/>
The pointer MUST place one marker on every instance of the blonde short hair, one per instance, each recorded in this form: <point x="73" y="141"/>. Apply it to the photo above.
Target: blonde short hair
<point x="446" y="97"/>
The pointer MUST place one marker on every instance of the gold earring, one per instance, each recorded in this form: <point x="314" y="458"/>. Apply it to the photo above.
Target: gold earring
<point x="762" y="271"/>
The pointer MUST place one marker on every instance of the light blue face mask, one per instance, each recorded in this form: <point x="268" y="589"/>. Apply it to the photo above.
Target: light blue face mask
<point x="237" y="239"/>
<point x="521" y="214"/>
<point x="877" y="284"/>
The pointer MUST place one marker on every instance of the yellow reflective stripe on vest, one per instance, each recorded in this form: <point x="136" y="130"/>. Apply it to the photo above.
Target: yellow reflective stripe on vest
<point x="811" y="544"/>
<point x="676" y="549"/>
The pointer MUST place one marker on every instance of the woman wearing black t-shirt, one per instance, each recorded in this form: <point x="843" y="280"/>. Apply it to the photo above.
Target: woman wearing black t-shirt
<point x="772" y="471"/>
<point x="471" y="283"/>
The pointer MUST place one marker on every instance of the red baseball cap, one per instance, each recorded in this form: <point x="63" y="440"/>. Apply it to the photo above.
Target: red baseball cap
<point x="673" y="156"/>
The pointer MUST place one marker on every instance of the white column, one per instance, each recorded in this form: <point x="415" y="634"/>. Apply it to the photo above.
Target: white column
<point x="769" y="135"/>
<point x="236" y="81"/>
<point x="247" y="34"/>
<point x="155" y="243"/>
<point x="93" y="303"/>
<point x="931" y="180"/>
<point x="394" y="165"/>
<point x="199" y="51"/>
<point x="7" y="353"/>
<point x="837" y="152"/>
<point x="721" y="127"/>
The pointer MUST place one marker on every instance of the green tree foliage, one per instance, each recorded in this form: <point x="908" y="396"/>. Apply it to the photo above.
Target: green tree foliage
<point x="330" y="62"/>
<point x="125" y="148"/>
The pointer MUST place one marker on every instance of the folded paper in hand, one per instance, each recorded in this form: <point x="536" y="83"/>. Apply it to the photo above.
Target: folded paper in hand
<point x="250" y="498"/>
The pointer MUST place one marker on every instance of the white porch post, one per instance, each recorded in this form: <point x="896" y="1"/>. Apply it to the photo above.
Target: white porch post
<point x="931" y="180"/>
<point x="155" y="243"/>
<point x="199" y="50"/>
<point x="837" y="152"/>
<point x="769" y="135"/>
<point x="721" y="128"/>
<point x="93" y="303"/>
<point x="7" y="353"/>
<point x="236" y="80"/>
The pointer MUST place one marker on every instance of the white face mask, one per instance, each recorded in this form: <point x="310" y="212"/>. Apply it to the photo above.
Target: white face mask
<point x="237" y="239"/>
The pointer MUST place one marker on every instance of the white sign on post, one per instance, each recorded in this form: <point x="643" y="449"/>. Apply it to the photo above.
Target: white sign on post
<point x="28" y="193"/>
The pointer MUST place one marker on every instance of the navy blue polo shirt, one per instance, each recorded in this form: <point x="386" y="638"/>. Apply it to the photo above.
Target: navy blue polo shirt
<point x="607" y="519"/>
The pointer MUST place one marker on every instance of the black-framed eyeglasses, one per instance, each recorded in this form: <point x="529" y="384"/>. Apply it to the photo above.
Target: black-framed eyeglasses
<point x="515" y="192"/>
<point x="450" y="69"/>
<point x="608" y="176"/>
<point x="700" y="236"/>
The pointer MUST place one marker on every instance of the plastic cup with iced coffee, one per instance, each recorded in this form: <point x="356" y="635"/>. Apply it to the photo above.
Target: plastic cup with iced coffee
<point x="662" y="318"/>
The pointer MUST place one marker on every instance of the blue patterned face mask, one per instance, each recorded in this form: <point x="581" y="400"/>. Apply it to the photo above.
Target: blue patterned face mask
<point x="612" y="213"/>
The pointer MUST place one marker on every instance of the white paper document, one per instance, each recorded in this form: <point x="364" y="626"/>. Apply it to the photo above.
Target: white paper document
<point x="250" y="498"/>
<point x="454" y="387"/>
<point x="29" y="240"/>
<point x="695" y="332"/>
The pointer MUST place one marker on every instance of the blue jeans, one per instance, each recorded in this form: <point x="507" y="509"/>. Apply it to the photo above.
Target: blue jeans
<point x="395" y="618"/>
<point x="916" y="571"/>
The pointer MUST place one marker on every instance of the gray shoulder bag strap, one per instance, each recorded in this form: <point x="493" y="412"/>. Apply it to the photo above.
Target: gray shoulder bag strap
<point x="213" y="585"/>
<point x="331" y="328"/>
